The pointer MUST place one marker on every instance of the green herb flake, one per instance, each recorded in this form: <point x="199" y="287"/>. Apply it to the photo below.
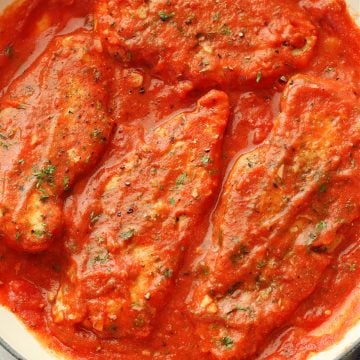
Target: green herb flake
<point x="96" y="134"/>
<point x="227" y="342"/>
<point x="172" y="201"/>
<point x="43" y="193"/>
<point x="352" y="267"/>
<point x="206" y="159"/>
<point x="4" y="145"/>
<point x="320" y="226"/>
<point x="39" y="233"/>
<point x="101" y="258"/>
<point x="225" y="30"/>
<point x="181" y="179"/>
<point x="239" y="254"/>
<point x="204" y="270"/>
<point x="329" y="69"/>
<point x="164" y="16"/>
<point x="94" y="217"/>
<point x="216" y="16"/>
<point x="97" y="75"/>
<point x="205" y="62"/>
<point x="46" y="174"/>
<point x="323" y="188"/>
<point x="66" y="183"/>
<point x="168" y="273"/>
<point x="127" y="235"/>
<point x="258" y="76"/>
<point x="9" y="51"/>
<point x="247" y="309"/>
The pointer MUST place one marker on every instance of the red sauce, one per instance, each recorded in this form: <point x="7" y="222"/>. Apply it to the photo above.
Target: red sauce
<point x="171" y="174"/>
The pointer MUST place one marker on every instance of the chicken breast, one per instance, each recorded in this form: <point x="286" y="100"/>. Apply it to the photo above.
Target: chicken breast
<point x="279" y="219"/>
<point x="208" y="41"/>
<point x="53" y="127"/>
<point x="132" y="221"/>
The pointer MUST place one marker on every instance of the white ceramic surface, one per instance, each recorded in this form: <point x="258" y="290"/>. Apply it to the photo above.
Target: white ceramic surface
<point x="25" y="344"/>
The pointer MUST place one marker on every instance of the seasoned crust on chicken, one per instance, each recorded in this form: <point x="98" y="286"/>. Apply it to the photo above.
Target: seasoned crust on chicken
<point x="134" y="218"/>
<point x="53" y="127"/>
<point x="279" y="219"/>
<point x="235" y="42"/>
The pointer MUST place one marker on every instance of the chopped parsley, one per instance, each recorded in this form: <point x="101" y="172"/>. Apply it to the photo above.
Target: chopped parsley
<point x="101" y="258"/>
<point x="216" y="16"/>
<point x="204" y="270"/>
<point x="227" y="342"/>
<point x="239" y="254"/>
<point x="164" y="16"/>
<point x="127" y="235"/>
<point x="43" y="193"/>
<point x="94" y="217"/>
<point x="320" y="226"/>
<point x="352" y="267"/>
<point x="225" y="30"/>
<point x="4" y="145"/>
<point x="329" y="69"/>
<point x="323" y="188"/>
<point x="100" y="239"/>
<point x="66" y="183"/>
<point x="261" y="264"/>
<point x="206" y="159"/>
<point x="46" y="174"/>
<point x="96" y="133"/>
<point x="247" y="309"/>
<point x="40" y="233"/>
<point x="168" y="273"/>
<point x="9" y="50"/>
<point x="181" y="179"/>
<point x="205" y="62"/>
<point x="258" y="76"/>
<point x="97" y="75"/>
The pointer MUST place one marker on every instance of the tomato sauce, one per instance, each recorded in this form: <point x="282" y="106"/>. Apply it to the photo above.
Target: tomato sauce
<point x="173" y="102"/>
